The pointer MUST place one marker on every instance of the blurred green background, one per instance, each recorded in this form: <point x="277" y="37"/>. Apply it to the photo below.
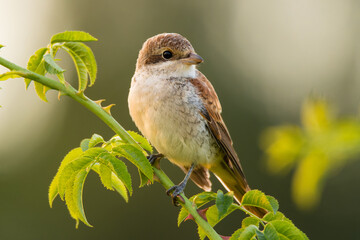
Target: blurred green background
<point x="263" y="58"/>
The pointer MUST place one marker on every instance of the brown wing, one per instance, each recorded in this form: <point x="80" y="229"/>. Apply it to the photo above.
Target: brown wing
<point x="216" y="125"/>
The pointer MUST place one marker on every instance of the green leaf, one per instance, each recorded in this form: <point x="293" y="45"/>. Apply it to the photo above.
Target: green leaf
<point x="72" y="168"/>
<point x="37" y="65"/>
<point x="39" y="88"/>
<point x="78" y="195"/>
<point x="73" y="196"/>
<point x="212" y="216"/>
<point x="143" y="179"/>
<point x="85" y="144"/>
<point x="287" y="230"/>
<point x="105" y="176"/>
<point x="248" y="233"/>
<point x="182" y="215"/>
<point x="256" y="198"/>
<point x="95" y="139"/>
<point x="120" y="169"/>
<point x="223" y="202"/>
<point x="1" y="46"/>
<point x="53" y="189"/>
<point x="270" y="232"/>
<point x="11" y="74"/>
<point x="270" y="216"/>
<point x="80" y="68"/>
<point x="260" y="235"/>
<point x="85" y="54"/>
<point x="273" y="202"/>
<point x="34" y="63"/>
<point x="51" y="66"/>
<point x="199" y="200"/>
<point x="203" y="198"/>
<point x="137" y="157"/>
<point x="72" y="36"/>
<point x="117" y="184"/>
<point x="141" y="141"/>
<point x="236" y="234"/>
<point x="250" y="221"/>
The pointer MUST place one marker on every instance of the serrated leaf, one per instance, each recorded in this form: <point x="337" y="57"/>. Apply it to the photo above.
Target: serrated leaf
<point x="203" y="198"/>
<point x="182" y="215"/>
<point x="270" y="232"/>
<point x="248" y="233"/>
<point x="143" y="179"/>
<point x="87" y="56"/>
<point x="250" y="221"/>
<point x="73" y="196"/>
<point x="212" y="216"/>
<point x="95" y="139"/>
<point x="273" y="202"/>
<point x="8" y="75"/>
<point x="120" y="169"/>
<point x="137" y="157"/>
<point x="286" y="230"/>
<point x="143" y="142"/>
<point x="80" y="68"/>
<point x="53" y="189"/>
<point x="51" y="66"/>
<point x="41" y="91"/>
<point x="117" y="184"/>
<point x="72" y="36"/>
<point x="260" y="235"/>
<point x="34" y="62"/>
<point x="270" y="216"/>
<point x="84" y="144"/>
<point x="256" y="198"/>
<point x="223" y="202"/>
<point x="105" y="176"/>
<point x="78" y="195"/>
<point x="236" y="234"/>
<point x="199" y="200"/>
<point x="72" y="168"/>
<point x="39" y="88"/>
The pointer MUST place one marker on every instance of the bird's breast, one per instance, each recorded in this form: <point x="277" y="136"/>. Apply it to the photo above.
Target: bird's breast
<point x="166" y="111"/>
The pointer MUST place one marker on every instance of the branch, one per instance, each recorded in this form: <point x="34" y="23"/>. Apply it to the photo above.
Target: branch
<point x="67" y="89"/>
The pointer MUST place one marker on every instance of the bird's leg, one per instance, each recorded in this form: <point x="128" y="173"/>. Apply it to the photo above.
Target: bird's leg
<point x="155" y="158"/>
<point x="177" y="189"/>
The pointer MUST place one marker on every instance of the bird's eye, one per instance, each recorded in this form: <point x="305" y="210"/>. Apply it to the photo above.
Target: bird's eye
<point x="167" y="54"/>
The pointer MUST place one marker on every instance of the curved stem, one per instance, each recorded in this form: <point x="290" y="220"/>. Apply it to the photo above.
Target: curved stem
<point x="116" y="127"/>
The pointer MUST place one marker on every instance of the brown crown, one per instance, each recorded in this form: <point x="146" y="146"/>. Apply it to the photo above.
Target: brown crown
<point x="153" y="47"/>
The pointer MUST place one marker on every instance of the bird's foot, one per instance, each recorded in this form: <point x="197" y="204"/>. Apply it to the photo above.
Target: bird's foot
<point x="175" y="192"/>
<point x="154" y="159"/>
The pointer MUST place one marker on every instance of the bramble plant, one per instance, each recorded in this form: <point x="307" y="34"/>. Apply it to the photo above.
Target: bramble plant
<point x="106" y="158"/>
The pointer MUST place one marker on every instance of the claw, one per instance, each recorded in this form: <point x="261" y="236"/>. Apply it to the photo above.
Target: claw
<point x="175" y="192"/>
<point x="154" y="158"/>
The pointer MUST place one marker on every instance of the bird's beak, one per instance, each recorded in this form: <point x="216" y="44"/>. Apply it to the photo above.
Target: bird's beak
<point x="192" y="59"/>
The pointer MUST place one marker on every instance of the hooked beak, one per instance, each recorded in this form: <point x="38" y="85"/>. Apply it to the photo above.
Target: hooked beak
<point x="192" y="59"/>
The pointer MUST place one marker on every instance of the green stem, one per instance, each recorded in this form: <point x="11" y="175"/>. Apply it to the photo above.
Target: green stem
<point x="116" y="127"/>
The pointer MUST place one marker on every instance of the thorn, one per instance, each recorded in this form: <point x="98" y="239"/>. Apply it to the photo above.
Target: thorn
<point x="61" y="94"/>
<point x="107" y="108"/>
<point x="202" y="213"/>
<point x="98" y="102"/>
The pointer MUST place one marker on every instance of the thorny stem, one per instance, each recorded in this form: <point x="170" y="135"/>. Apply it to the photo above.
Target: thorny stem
<point x="67" y="89"/>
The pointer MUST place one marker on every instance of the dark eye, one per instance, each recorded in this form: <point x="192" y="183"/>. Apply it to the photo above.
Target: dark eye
<point x="167" y="54"/>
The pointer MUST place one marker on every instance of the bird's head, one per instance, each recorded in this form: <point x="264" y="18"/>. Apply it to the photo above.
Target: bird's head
<point x="168" y="53"/>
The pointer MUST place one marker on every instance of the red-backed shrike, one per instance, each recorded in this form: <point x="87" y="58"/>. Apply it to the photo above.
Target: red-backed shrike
<point x="176" y="108"/>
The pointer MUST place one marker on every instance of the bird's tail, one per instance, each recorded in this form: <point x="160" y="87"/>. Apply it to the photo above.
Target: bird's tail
<point x="234" y="181"/>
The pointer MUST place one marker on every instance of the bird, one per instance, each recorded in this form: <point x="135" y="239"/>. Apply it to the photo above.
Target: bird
<point x="177" y="109"/>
